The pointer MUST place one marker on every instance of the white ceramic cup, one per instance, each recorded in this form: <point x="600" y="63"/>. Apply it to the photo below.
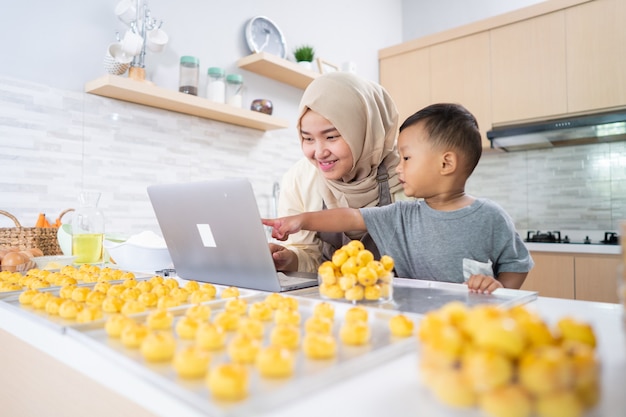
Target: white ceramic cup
<point x="156" y="39"/>
<point x="126" y="11"/>
<point x="116" y="62"/>
<point x="131" y="43"/>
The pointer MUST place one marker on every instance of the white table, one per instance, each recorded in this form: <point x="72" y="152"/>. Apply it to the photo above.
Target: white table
<point x="47" y="373"/>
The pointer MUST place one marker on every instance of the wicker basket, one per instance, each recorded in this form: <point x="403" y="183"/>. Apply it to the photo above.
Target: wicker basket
<point x="44" y="238"/>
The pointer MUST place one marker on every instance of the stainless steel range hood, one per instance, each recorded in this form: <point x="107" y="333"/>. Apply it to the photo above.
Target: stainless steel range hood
<point x="578" y="130"/>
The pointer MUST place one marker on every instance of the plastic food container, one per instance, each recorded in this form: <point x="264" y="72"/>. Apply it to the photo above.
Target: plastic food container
<point x="53" y="262"/>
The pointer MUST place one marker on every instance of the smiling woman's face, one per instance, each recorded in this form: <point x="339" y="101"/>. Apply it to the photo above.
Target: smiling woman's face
<point x="324" y="146"/>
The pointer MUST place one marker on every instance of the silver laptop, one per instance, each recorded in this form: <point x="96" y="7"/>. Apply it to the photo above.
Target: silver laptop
<point x="214" y="234"/>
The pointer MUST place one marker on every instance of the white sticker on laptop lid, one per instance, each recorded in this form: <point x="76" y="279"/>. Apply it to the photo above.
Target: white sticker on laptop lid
<point x="206" y="235"/>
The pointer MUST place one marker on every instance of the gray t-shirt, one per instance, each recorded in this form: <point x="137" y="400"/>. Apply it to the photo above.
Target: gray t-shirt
<point x="434" y="245"/>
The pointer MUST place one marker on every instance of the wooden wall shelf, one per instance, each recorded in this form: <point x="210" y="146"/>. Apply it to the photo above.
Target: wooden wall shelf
<point x="279" y="69"/>
<point x="123" y="88"/>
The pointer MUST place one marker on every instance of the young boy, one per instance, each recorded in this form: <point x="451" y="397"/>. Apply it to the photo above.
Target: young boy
<point x="450" y="235"/>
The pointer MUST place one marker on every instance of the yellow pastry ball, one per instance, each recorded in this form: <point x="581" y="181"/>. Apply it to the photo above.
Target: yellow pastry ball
<point x="200" y="312"/>
<point x="327" y="273"/>
<point x="236" y="305"/>
<point x="209" y="289"/>
<point x="112" y="304"/>
<point x="116" y="290"/>
<point x="347" y="281"/>
<point x="167" y="301"/>
<point x="130" y="294"/>
<point x="251" y="327"/>
<point x="339" y="257"/>
<point x="354" y="333"/>
<point x="186" y="327"/>
<point x="156" y="280"/>
<point x="275" y="362"/>
<point x="160" y="320"/>
<point x="199" y="296"/>
<point x="228" y="381"/>
<point x="356" y="293"/>
<point x="287" y="316"/>
<point x="318" y="324"/>
<point x="158" y="346"/>
<point x="129" y="280"/>
<point x="243" y="349"/>
<point x="286" y="335"/>
<point x="273" y="299"/>
<point x="356" y="314"/>
<point x="401" y="326"/>
<point x="319" y="346"/>
<point x="191" y="362"/>
<point x="171" y="282"/>
<point x="53" y="304"/>
<point x="115" y="323"/>
<point x="161" y="290"/>
<point x="144" y="286"/>
<point x="180" y="294"/>
<point x="288" y="302"/>
<point x="230" y="292"/>
<point x="80" y="293"/>
<point x="227" y="320"/>
<point x="132" y="307"/>
<point x="88" y="314"/>
<point x="210" y="336"/>
<point x="133" y="334"/>
<point x="260" y="310"/>
<point x="95" y="298"/>
<point x="66" y="291"/>
<point x="324" y="309"/>
<point x="192" y="286"/>
<point x="387" y="262"/>
<point x="39" y="300"/>
<point x="148" y="299"/>
<point x="102" y="286"/>
<point x="373" y="292"/>
<point x="69" y="309"/>
<point x="331" y="291"/>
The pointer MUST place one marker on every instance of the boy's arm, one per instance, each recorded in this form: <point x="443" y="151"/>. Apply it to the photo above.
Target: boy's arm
<point x="512" y="279"/>
<point x="332" y="220"/>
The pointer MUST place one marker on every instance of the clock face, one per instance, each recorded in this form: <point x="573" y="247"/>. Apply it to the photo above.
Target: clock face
<point x="262" y="35"/>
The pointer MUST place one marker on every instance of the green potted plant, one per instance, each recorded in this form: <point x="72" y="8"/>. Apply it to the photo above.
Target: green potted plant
<point x="304" y="55"/>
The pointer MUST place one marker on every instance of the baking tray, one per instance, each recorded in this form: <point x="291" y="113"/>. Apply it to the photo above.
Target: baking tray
<point x="11" y="302"/>
<point x="265" y="394"/>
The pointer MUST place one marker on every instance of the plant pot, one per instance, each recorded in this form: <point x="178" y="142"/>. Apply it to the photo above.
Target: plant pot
<point x="306" y="64"/>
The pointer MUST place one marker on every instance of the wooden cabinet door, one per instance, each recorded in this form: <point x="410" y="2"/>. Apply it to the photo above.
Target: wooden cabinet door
<point x="459" y="73"/>
<point x="407" y="78"/>
<point x="596" y="278"/>
<point x="596" y="55"/>
<point x="552" y="275"/>
<point x="528" y="68"/>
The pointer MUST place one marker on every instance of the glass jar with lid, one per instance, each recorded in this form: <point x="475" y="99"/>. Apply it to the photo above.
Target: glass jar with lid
<point x="189" y="74"/>
<point x="215" y="86"/>
<point x="234" y="90"/>
<point x="88" y="230"/>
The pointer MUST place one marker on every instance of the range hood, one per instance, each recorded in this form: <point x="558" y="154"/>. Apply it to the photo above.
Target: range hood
<point x="575" y="130"/>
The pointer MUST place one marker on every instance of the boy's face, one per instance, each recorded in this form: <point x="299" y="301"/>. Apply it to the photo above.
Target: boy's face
<point x="419" y="163"/>
<point x="324" y="147"/>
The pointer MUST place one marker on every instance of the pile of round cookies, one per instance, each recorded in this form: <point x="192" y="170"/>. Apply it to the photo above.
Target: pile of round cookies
<point x="265" y="335"/>
<point x="508" y="362"/>
<point x="353" y="274"/>
<point x="126" y="295"/>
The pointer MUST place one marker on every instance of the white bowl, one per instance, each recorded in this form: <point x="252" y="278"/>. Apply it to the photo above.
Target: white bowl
<point x="53" y="262"/>
<point x="136" y="258"/>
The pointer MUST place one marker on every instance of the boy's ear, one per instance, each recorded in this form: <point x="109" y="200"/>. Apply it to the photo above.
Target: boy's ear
<point x="449" y="163"/>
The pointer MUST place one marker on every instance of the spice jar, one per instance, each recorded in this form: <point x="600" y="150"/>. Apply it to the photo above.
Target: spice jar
<point x="234" y="90"/>
<point x="215" y="87"/>
<point x="189" y="71"/>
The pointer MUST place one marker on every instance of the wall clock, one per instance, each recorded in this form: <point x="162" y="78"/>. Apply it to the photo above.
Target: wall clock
<point x="262" y="35"/>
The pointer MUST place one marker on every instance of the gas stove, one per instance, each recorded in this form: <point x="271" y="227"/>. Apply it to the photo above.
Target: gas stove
<point x="610" y="238"/>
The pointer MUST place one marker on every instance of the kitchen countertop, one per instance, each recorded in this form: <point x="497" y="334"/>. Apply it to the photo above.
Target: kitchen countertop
<point x="574" y="248"/>
<point x="389" y="389"/>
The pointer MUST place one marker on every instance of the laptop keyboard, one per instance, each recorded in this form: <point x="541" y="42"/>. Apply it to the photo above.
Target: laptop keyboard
<point x="287" y="280"/>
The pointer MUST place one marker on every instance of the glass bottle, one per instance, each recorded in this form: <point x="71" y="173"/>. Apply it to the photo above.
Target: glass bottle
<point x="215" y="87"/>
<point x="189" y="72"/>
<point x="234" y="90"/>
<point x="88" y="229"/>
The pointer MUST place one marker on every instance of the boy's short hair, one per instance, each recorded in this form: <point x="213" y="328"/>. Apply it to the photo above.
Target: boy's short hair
<point x="450" y="125"/>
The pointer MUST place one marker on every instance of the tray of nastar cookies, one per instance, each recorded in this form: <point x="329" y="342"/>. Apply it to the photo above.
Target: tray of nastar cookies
<point x="250" y="354"/>
<point x="68" y="298"/>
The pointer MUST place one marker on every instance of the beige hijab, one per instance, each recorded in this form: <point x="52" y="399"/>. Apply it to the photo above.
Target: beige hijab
<point x="366" y="116"/>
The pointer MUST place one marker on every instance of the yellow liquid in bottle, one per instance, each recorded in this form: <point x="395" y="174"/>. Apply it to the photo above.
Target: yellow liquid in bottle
<point x="87" y="248"/>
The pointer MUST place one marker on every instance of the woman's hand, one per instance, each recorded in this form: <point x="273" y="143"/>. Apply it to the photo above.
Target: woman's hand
<point x="284" y="226"/>
<point x="284" y="259"/>
<point x="483" y="284"/>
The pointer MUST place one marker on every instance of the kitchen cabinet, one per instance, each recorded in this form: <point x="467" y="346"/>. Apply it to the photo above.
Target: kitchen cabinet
<point x="406" y="78"/>
<point x="528" y="66"/>
<point x="596" y="46"/>
<point x="589" y="277"/>
<point x="552" y="275"/>
<point x="278" y="69"/>
<point x="122" y="88"/>
<point x="460" y="74"/>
